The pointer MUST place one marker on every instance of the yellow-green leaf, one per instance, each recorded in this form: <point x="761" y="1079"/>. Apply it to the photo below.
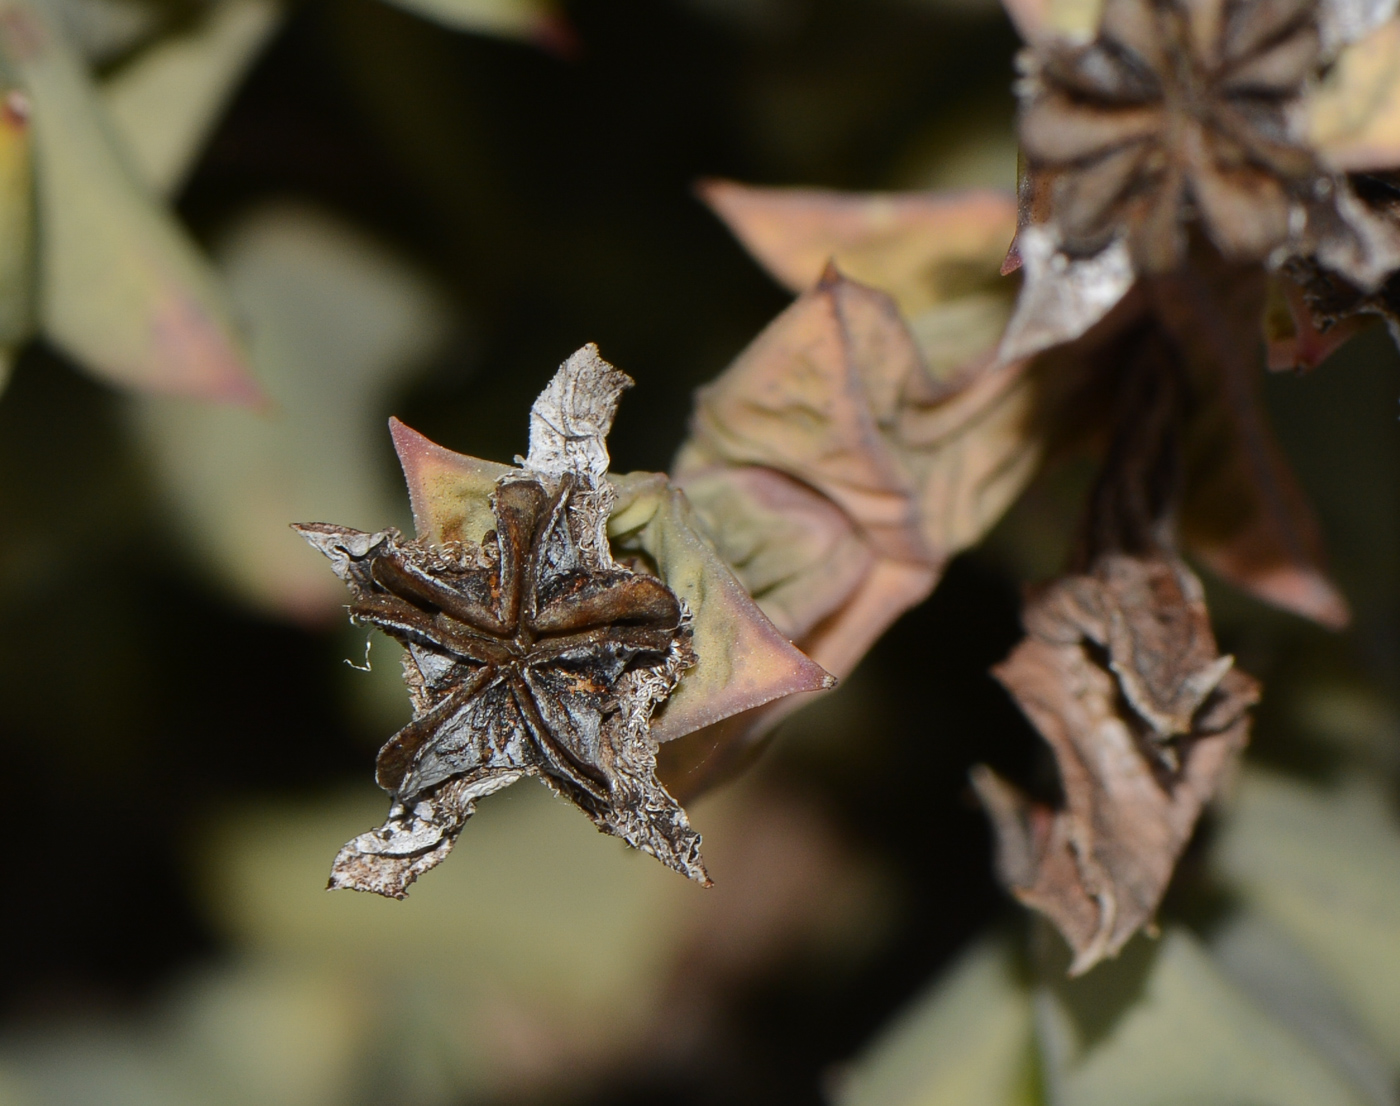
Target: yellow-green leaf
<point x="1323" y="865"/>
<point x="966" y="1041"/>
<point x="16" y="222"/>
<point x="1071" y="20"/>
<point x="165" y="101"/>
<point x="744" y="661"/>
<point x="1162" y="1026"/>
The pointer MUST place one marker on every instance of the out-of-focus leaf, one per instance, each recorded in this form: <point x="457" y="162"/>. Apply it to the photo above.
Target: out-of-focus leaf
<point x="1323" y="866"/>
<point x="922" y="248"/>
<point x="1073" y="20"/>
<point x="335" y="319"/>
<point x="1291" y="333"/>
<point x="123" y="290"/>
<point x="545" y="952"/>
<point x="1163" y="1027"/>
<point x="1284" y="980"/>
<point x="936" y="254"/>
<point x="164" y="102"/>
<point x="966" y="1041"/>
<point x="1242" y="513"/>
<point x="1120" y="674"/>
<point x="16" y="226"/>
<point x="529" y="19"/>
<point x="1247" y="520"/>
<point x="743" y="661"/>
<point x="1350" y="716"/>
<point x="260" y="1033"/>
<point x="1353" y="119"/>
<point x="101" y="30"/>
<point x="538" y="915"/>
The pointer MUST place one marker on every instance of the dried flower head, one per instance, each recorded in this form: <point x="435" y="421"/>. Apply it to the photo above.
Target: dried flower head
<point x="1177" y="107"/>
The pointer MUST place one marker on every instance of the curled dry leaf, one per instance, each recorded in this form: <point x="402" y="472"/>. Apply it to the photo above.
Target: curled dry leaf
<point x="1120" y="674"/>
<point x="937" y="254"/>
<point x="1242" y="512"/>
<point x="838" y="476"/>
<point x="530" y="650"/>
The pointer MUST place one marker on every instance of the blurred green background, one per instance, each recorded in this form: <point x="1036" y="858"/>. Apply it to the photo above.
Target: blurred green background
<point x="415" y="220"/>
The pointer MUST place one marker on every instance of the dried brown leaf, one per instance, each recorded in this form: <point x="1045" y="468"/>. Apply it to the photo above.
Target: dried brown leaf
<point x="1243" y="513"/>
<point x="923" y="248"/>
<point x="838" y="477"/>
<point x="1119" y="674"/>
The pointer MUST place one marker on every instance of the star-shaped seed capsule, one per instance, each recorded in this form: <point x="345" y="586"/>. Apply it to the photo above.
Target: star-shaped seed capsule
<point x="518" y="648"/>
<point x="1177" y="104"/>
<point x="528" y="652"/>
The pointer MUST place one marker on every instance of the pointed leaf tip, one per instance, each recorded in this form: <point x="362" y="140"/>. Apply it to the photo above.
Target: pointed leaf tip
<point x="123" y="289"/>
<point x="917" y="246"/>
<point x="745" y="661"/>
<point x="449" y="492"/>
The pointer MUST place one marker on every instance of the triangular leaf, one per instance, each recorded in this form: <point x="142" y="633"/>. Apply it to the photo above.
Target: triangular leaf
<point x="744" y="661"/>
<point x="123" y="289"/>
<point x="164" y="102"/>
<point x="1323" y="866"/>
<point x="965" y="1041"/>
<point x="17" y="275"/>
<point x="1163" y="1026"/>
<point x="920" y="247"/>
<point x="528" y="19"/>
